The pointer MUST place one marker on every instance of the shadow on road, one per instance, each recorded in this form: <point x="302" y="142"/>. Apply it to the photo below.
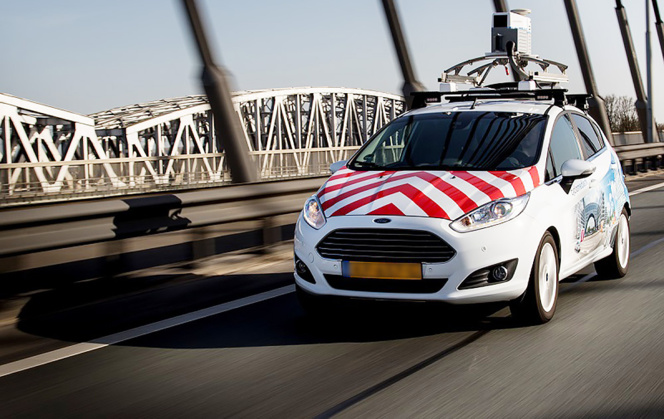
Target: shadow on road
<point x="86" y="310"/>
<point x="281" y="321"/>
<point x="78" y="314"/>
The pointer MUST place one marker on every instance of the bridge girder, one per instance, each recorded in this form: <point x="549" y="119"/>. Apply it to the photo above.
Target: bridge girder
<point x="172" y="144"/>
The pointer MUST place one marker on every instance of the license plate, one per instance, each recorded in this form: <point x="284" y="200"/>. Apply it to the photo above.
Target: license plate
<point x="382" y="270"/>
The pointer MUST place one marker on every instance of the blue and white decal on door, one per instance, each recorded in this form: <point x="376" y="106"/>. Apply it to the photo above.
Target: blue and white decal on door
<point x="598" y="212"/>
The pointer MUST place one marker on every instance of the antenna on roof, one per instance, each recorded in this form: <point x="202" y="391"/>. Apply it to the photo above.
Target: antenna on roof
<point x="510" y="46"/>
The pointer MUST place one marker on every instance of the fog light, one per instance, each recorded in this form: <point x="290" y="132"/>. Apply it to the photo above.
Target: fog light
<point x="303" y="271"/>
<point x="499" y="273"/>
<point x="301" y="268"/>
<point x="493" y="274"/>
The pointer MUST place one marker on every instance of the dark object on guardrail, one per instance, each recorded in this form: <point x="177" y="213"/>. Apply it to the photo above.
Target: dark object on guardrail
<point x="650" y="156"/>
<point x="56" y="226"/>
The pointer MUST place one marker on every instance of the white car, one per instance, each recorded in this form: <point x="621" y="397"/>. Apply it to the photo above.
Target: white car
<point x="472" y="201"/>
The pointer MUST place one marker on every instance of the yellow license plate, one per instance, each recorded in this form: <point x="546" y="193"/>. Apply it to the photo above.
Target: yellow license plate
<point x="382" y="270"/>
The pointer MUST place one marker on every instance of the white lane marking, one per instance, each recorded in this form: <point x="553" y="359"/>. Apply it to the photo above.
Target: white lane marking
<point x="646" y="247"/>
<point x="646" y="189"/>
<point x="80" y="348"/>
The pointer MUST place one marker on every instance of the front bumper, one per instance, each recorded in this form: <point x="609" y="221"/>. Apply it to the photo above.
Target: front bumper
<point x="515" y="239"/>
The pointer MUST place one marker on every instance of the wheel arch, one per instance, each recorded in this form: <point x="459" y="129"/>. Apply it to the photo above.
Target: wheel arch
<point x="556" y="238"/>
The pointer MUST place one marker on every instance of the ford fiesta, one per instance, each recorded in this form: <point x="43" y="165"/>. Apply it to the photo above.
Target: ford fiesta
<point x="468" y="202"/>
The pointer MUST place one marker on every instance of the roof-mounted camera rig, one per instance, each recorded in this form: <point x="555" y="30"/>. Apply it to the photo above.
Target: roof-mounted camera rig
<point x="511" y="48"/>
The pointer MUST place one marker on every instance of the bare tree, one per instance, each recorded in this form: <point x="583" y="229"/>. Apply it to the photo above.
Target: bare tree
<point x="622" y="113"/>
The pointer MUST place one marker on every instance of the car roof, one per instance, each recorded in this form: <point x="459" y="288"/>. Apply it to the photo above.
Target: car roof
<point x="494" y="105"/>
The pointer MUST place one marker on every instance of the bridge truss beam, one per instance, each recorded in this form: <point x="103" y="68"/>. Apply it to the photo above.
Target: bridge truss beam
<point x="172" y="144"/>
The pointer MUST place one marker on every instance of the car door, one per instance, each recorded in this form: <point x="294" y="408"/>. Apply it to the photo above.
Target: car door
<point x="567" y="199"/>
<point x="600" y="201"/>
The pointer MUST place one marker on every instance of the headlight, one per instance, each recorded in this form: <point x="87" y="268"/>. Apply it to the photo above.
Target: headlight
<point x="313" y="213"/>
<point x="490" y="214"/>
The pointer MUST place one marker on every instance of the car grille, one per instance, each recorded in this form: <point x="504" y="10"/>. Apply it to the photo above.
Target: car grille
<point x="385" y="245"/>
<point x="423" y="286"/>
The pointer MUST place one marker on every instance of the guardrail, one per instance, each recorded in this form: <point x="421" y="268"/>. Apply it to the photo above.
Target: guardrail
<point x="56" y="226"/>
<point x="641" y="156"/>
<point x="130" y="174"/>
<point x="60" y="225"/>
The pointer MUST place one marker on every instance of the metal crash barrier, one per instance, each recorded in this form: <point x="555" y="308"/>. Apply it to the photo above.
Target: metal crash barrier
<point x="56" y="226"/>
<point x="59" y="225"/>
<point x="642" y="157"/>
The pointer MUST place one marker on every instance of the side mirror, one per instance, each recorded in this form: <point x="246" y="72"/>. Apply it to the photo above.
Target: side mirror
<point x="577" y="169"/>
<point x="337" y="165"/>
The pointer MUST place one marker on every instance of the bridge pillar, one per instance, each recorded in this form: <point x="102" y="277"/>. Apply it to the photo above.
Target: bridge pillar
<point x="633" y="68"/>
<point x="216" y="88"/>
<point x="597" y="108"/>
<point x="410" y="84"/>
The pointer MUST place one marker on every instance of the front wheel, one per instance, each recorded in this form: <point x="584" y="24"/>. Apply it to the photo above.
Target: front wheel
<point x="616" y="264"/>
<point x="538" y="304"/>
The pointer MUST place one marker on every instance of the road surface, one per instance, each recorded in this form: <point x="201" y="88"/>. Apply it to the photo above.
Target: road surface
<point x="601" y="356"/>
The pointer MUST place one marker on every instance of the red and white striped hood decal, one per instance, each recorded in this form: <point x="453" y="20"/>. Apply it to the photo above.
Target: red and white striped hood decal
<point x="438" y="194"/>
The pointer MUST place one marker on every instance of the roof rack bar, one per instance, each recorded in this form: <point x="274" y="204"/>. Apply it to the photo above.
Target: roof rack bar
<point x="580" y="101"/>
<point x="508" y="91"/>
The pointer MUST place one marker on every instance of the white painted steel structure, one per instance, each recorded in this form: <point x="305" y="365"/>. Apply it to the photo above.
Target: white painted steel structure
<point x="167" y="144"/>
<point x="48" y="150"/>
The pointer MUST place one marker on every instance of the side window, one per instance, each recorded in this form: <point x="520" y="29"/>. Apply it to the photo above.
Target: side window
<point x="600" y="135"/>
<point x="590" y="142"/>
<point x="564" y="145"/>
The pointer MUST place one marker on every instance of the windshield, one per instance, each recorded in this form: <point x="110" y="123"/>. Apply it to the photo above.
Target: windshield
<point x="455" y="141"/>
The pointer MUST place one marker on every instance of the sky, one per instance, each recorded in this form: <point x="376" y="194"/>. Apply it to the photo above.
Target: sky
<point x="88" y="55"/>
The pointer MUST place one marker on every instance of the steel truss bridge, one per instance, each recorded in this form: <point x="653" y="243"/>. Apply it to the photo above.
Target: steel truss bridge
<point x="52" y="154"/>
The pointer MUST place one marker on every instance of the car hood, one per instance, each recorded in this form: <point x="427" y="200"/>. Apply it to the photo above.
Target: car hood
<point x="438" y="194"/>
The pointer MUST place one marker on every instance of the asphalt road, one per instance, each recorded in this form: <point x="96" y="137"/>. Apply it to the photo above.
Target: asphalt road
<point x="601" y="356"/>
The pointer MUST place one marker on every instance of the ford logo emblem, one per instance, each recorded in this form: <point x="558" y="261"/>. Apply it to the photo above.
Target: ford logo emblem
<point x="382" y="220"/>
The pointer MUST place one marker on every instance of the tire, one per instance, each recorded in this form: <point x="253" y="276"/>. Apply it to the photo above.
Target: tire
<point x="538" y="304"/>
<point x="617" y="263"/>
